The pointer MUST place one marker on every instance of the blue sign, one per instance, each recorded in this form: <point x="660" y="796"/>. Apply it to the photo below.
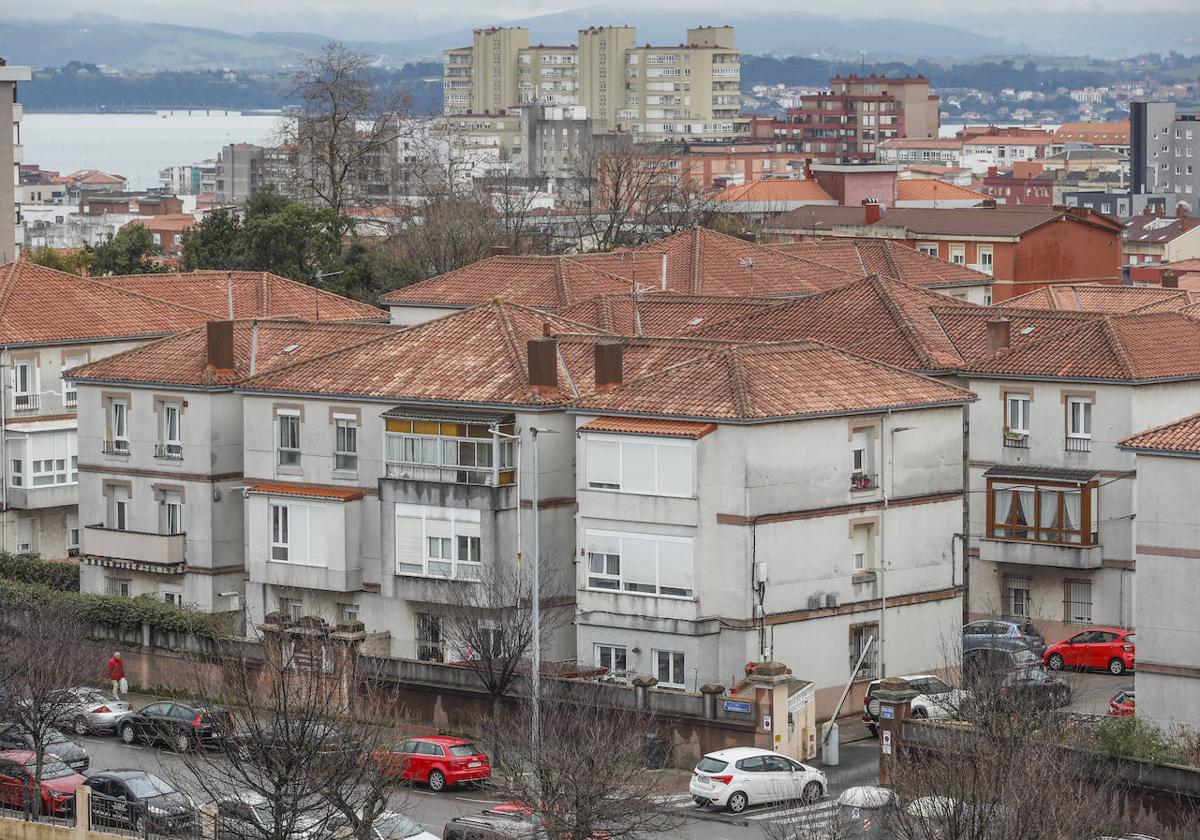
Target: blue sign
<point x="738" y="706"/>
<point x="887" y="713"/>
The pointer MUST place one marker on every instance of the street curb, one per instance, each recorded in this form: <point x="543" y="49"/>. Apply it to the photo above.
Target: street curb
<point x="709" y="816"/>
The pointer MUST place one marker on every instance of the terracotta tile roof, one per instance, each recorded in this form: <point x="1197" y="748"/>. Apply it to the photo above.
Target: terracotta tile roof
<point x="310" y="491"/>
<point x="885" y="258"/>
<point x="660" y="314"/>
<point x="649" y="426"/>
<point x="180" y="359"/>
<point x="1182" y="435"/>
<point x="1000" y="221"/>
<point x="477" y="356"/>
<point x="1101" y="133"/>
<point x="773" y="382"/>
<point x="255" y="294"/>
<point x="640" y="356"/>
<point x="41" y="305"/>
<point x="1097" y="297"/>
<point x="1161" y="345"/>
<point x="773" y="190"/>
<point x="929" y="189"/>
<point x="878" y="317"/>
<point x="966" y="326"/>
<point x="1142" y="229"/>
<point x="1182" y="266"/>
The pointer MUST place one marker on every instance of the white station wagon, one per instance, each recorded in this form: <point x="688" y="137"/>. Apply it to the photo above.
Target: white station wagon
<point x="742" y="776"/>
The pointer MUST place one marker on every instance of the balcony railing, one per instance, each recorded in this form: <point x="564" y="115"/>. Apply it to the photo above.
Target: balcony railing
<point x="115" y="447"/>
<point x="170" y="451"/>
<point x="23" y="403"/>
<point x="1016" y="440"/>
<point x="861" y="482"/>
<point x="70" y="398"/>
<point x="1078" y="444"/>
<point x="484" y="476"/>
<point x="154" y="550"/>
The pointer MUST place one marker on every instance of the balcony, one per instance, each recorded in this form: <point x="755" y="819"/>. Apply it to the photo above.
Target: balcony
<point x="1078" y="444"/>
<point x="861" y="482"/>
<point x="169" y="451"/>
<point x="70" y="399"/>
<point x="482" y="476"/>
<point x="1046" y="555"/>
<point x="115" y="447"/>
<point x="26" y="403"/>
<point x="135" y="550"/>
<point x="1016" y="440"/>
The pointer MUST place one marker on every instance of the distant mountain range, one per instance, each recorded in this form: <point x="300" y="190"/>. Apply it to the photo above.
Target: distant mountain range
<point x="115" y="42"/>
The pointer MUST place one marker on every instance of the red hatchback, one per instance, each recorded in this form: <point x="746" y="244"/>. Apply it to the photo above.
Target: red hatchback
<point x="1108" y="648"/>
<point x="58" y="782"/>
<point x="1123" y="703"/>
<point x="438" y="761"/>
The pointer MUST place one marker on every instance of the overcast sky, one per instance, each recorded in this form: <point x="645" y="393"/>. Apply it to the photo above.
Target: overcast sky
<point x="391" y="20"/>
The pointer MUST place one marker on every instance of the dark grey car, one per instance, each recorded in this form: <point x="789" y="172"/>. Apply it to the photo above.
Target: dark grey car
<point x="987" y="630"/>
<point x="14" y="736"/>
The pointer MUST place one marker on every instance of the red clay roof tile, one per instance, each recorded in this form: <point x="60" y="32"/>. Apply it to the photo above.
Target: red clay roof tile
<point x="649" y="426"/>
<point x="1182" y="435"/>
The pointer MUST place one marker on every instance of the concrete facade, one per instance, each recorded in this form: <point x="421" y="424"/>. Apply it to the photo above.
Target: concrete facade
<point x="10" y="159"/>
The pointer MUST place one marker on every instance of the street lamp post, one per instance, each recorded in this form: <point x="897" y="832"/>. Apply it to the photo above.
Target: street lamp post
<point x="889" y="490"/>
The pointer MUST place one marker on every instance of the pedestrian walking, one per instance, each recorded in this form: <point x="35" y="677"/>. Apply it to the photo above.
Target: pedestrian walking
<point x="114" y="670"/>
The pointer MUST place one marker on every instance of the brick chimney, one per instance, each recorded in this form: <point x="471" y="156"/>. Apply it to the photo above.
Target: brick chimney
<point x="543" y="363"/>
<point x="219" y="351"/>
<point x="1148" y="210"/>
<point x="873" y="211"/>
<point x="608" y="365"/>
<point x="999" y="334"/>
<point x="1170" y="280"/>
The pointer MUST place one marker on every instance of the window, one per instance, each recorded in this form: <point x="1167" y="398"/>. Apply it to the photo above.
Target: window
<point x="461" y="453"/>
<point x="70" y="395"/>
<point x="860" y="636"/>
<point x="119" y="508"/>
<point x="862" y="459"/>
<point x="645" y="563"/>
<point x="1077" y="601"/>
<point x="117" y="586"/>
<point x="171" y="595"/>
<point x="639" y="465"/>
<point x="72" y="532"/>
<point x="118" y="426"/>
<point x="612" y="657"/>
<point x="958" y="254"/>
<point x="1079" y="417"/>
<point x="24" y="386"/>
<point x="170" y="442"/>
<point x="431" y="646"/>
<point x="669" y="668"/>
<point x="297" y="532"/>
<point x="17" y="477"/>
<point x="862" y="547"/>
<point x="930" y="249"/>
<point x="1055" y="512"/>
<point x="1016" y="416"/>
<point x="172" y="507"/>
<point x="289" y="439"/>
<point x="293" y="608"/>
<point x="24" y="536"/>
<point x="438" y="542"/>
<point x="345" y="445"/>
<point x="1016" y="596"/>
<point x="985" y="259"/>
<point x="347" y="612"/>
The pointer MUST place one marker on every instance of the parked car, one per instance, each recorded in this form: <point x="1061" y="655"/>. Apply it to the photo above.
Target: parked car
<point x="1012" y="673"/>
<point x="14" y="736"/>
<point x="987" y="630"/>
<point x="176" y="724"/>
<point x="295" y="733"/>
<point x="935" y="699"/>
<point x="140" y="802"/>
<point x="83" y="710"/>
<point x="1123" y="703"/>
<point x="246" y="814"/>
<point x="1109" y="648"/>
<point x="17" y="772"/>
<point x="389" y="825"/>
<point x="499" y="823"/>
<point x="436" y="760"/>
<point x="742" y="776"/>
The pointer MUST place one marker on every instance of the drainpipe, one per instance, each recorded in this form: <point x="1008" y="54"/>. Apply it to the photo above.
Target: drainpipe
<point x="4" y="465"/>
<point x="966" y="517"/>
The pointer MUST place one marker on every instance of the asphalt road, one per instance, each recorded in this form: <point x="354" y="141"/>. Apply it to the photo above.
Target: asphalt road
<point x="859" y="765"/>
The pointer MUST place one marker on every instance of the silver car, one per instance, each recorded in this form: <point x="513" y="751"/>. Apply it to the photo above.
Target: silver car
<point x="84" y="710"/>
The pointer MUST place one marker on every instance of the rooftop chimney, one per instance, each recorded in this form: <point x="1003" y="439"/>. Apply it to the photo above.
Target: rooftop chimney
<point x="220" y="345"/>
<point x="543" y="363"/>
<point x="1181" y="210"/>
<point x="873" y="211"/>
<point x="608" y="365"/>
<point x="999" y="334"/>
<point x="1170" y="280"/>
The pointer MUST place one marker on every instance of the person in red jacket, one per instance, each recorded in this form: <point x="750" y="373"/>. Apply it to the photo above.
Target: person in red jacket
<point x="114" y="670"/>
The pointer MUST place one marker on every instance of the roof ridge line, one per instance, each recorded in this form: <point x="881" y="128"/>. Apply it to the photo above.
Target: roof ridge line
<point x="1118" y="348"/>
<point x="737" y="375"/>
<point x="1160" y="427"/>
<point x="510" y="339"/>
<point x="901" y="319"/>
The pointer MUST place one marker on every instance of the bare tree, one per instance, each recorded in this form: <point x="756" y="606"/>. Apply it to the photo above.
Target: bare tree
<point x="345" y="135"/>
<point x="301" y="755"/>
<point x="42" y="652"/>
<point x="451" y="230"/>
<point x="585" y="777"/>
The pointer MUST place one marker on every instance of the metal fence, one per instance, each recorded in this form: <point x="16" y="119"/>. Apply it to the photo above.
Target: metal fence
<point x="115" y="815"/>
<point x="63" y="815"/>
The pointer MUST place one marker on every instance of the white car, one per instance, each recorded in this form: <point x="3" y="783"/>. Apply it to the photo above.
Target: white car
<point x="935" y="699"/>
<point x="742" y="776"/>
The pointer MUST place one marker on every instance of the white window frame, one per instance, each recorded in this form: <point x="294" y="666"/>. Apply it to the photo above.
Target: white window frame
<point x="1082" y="431"/>
<point x="72" y="531"/>
<point x="287" y="456"/>
<point x="70" y="393"/>
<point x="118" y="423"/>
<point x="280" y="532"/>
<point x="619" y="578"/>
<point x="171" y="594"/>
<point x="929" y="249"/>
<point x="676" y="671"/>
<point x="172" y="440"/>
<point x="121" y="500"/>
<point x="1012" y="585"/>
<point x="958" y="254"/>
<point x="985" y="258"/>
<point x="602" y="652"/>
<point x="172" y="503"/>
<point x="1024" y="411"/>
<point x="624" y="441"/>
<point x="30" y="385"/>
<point x="119" y="587"/>
<point x="465" y="549"/>
<point x="345" y="443"/>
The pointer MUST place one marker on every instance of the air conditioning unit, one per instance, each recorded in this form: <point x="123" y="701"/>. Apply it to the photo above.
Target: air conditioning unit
<point x="830" y="600"/>
<point x="814" y="602"/>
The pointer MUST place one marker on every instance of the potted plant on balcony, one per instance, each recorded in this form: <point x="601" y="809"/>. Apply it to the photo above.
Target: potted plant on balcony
<point x="859" y="481"/>
<point x="1009" y="434"/>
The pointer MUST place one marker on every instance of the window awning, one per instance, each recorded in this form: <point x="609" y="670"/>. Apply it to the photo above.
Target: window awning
<point x="448" y="416"/>
<point x="310" y="491"/>
<point x="649" y="426"/>
<point x="1032" y="471"/>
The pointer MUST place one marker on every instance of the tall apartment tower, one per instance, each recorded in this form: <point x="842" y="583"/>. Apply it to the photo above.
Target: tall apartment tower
<point x="602" y="51"/>
<point x="495" y="56"/>
<point x="1164" y="151"/>
<point x="549" y="75"/>
<point x="10" y="159"/>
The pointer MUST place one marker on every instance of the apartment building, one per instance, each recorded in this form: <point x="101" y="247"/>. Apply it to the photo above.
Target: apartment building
<point x="945" y="151"/>
<point x="686" y="91"/>
<point x="161" y="432"/>
<point x="1165" y="151"/>
<point x="10" y="158"/>
<point x="1056" y="523"/>
<point x="1167" y="532"/>
<point x="725" y="518"/>
<point x="1113" y="136"/>
<point x="989" y="146"/>
<point x="849" y="122"/>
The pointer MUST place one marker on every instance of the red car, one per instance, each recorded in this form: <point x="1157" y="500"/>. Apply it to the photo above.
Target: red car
<point x="437" y="760"/>
<point x="1123" y="703"/>
<point x="58" y="782"/>
<point x="1108" y="648"/>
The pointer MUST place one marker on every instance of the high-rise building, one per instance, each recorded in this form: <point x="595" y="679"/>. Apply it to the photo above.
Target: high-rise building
<point x="1164" y="151"/>
<point x="847" y="123"/>
<point x="10" y="159"/>
<point x="689" y="91"/>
